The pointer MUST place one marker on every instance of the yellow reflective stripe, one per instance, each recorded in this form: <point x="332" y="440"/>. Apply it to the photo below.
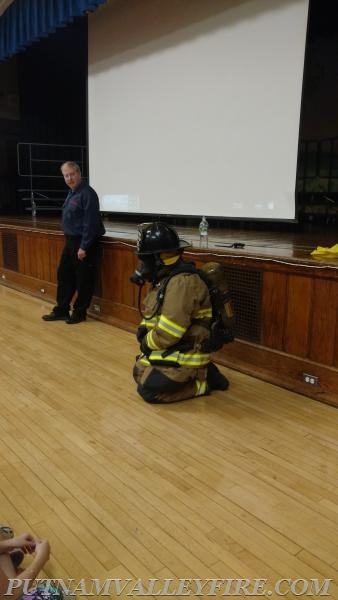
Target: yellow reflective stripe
<point x="170" y="327"/>
<point x="203" y="313"/>
<point x="186" y="360"/>
<point x="144" y="360"/>
<point x="201" y="387"/>
<point x="194" y="361"/>
<point x="150" y="323"/>
<point x="150" y="341"/>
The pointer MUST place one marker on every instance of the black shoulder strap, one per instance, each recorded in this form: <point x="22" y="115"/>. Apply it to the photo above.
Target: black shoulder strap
<point x="182" y="267"/>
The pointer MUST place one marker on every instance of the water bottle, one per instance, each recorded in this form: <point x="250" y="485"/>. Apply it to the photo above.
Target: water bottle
<point x="33" y="204"/>
<point x="203" y="230"/>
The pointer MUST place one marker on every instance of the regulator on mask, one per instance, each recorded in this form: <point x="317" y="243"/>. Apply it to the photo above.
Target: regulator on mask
<point x="138" y="277"/>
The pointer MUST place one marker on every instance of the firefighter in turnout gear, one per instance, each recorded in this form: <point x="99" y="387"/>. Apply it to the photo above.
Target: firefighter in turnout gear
<point x="176" y="319"/>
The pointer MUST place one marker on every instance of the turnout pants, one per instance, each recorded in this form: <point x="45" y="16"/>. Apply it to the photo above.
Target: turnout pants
<point x="157" y="384"/>
<point x="76" y="275"/>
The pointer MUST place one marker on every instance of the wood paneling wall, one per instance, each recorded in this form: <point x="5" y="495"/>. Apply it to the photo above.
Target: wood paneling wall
<point x="298" y="313"/>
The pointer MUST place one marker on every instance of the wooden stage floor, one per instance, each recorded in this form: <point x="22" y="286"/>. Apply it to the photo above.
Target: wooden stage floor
<point x="296" y="246"/>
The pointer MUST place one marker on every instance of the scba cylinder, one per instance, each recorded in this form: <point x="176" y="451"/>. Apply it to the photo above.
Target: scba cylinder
<point x="216" y="276"/>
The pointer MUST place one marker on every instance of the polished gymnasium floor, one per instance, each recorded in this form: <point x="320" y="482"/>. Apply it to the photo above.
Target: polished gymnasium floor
<point x="241" y="484"/>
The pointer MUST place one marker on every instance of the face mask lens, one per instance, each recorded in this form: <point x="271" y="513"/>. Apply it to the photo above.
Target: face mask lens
<point x="146" y="270"/>
<point x="149" y="267"/>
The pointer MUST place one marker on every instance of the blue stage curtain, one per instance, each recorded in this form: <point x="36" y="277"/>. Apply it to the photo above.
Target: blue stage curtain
<point x="27" y="21"/>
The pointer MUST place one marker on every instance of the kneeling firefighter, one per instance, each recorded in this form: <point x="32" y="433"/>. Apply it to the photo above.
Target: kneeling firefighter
<point x="175" y="330"/>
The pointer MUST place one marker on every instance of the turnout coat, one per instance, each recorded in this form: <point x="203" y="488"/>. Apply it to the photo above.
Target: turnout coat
<point x="177" y="315"/>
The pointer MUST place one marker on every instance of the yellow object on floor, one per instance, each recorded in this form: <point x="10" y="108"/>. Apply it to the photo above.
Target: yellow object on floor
<point x="321" y="250"/>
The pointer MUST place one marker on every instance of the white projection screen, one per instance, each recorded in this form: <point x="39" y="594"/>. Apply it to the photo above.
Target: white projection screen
<point x="194" y="106"/>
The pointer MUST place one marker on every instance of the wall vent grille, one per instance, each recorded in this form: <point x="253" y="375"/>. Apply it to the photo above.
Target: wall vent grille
<point x="10" y="250"/>
<point x="245" y="286"/>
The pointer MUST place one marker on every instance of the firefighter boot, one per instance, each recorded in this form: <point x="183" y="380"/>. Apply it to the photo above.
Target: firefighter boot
<point x="215" y="379"/>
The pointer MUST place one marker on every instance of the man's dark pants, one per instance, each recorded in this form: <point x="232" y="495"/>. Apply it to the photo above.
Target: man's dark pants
<point x="76" y="275"/>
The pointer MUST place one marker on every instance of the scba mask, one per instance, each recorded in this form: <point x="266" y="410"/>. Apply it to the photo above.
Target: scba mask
<point x="147" y="269"/>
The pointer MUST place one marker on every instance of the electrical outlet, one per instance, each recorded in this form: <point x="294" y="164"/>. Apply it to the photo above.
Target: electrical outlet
<point x="311" y="379"/>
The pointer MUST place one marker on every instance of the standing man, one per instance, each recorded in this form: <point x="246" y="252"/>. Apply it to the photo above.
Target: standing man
<point x="83" y="227"/>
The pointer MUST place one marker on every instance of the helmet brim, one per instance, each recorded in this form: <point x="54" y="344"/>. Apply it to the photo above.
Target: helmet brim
<point x="182" y="244"/>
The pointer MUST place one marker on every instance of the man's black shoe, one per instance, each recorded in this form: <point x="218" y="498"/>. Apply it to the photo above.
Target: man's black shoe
<point x="75" y="318"/>
<point x="215" y="379"/>
<point x="54" y="316"/>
